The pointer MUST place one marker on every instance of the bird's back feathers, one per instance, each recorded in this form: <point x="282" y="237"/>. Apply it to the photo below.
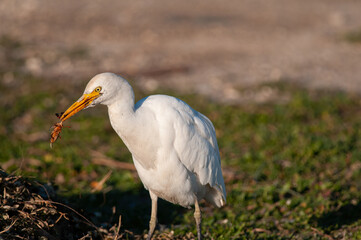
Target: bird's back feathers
<point x="192" y="136"/>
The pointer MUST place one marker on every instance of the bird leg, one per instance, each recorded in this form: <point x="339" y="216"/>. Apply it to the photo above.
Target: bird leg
<point x="153" y="217"/>
<point x="198" y="217"/>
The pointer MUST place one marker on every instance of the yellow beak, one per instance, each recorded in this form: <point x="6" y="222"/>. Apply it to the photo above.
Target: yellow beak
<point x="82" y="103"/>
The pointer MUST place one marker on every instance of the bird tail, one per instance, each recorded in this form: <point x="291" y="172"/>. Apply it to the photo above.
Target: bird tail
<point x="215" y="196"/>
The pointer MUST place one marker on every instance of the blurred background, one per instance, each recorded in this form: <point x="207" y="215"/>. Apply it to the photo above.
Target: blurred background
<point x="279" y="79"/>
<point x="211" y="47"/>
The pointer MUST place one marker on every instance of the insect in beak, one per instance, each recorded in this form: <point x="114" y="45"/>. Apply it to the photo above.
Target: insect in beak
<point x="82" y="103"/>
<point x="58" y="115"/>
<point x="55" y="134"/>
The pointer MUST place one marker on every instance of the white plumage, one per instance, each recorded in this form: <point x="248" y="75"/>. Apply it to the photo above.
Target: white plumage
<point x="174" y="147"/>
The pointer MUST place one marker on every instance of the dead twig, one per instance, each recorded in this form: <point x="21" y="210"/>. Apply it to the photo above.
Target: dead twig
<point x="119" y="225"/>
<point x="9" y="227"/>
<point x="85" y="237"/>
<point x="100" y="159"/>
<point x="63" y="205"/>
<point x="61" y="216"/>
<point x="99" y="185"/>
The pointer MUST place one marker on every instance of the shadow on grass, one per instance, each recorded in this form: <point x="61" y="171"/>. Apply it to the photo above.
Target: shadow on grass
<point x="133" y="206"/>
<point x="345" y="215"/>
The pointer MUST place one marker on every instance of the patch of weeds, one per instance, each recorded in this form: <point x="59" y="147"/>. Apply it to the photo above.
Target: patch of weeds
<point x="353" y="36"/>
<point x="28" y="210"/>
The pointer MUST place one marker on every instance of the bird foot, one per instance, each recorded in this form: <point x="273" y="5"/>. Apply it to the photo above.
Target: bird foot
<point x="152" y="224"/>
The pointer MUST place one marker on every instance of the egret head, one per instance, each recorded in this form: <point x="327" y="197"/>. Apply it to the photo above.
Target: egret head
<point x="101" y="89"/>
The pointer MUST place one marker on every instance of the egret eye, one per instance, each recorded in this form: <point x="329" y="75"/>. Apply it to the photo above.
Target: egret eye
<point x="98" y="89"/>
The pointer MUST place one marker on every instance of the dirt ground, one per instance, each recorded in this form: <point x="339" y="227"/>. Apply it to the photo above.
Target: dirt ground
<point x="208" y="47"/>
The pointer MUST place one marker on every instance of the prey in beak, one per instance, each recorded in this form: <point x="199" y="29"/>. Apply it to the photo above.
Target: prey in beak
<point x="82" y="103"/>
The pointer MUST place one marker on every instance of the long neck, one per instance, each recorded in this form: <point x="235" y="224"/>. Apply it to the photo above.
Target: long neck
<point x="122" y="114"/>
<point x="134" y="129"/>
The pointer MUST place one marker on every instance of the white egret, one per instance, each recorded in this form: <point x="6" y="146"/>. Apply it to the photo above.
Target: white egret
<point x="174" y="148"/>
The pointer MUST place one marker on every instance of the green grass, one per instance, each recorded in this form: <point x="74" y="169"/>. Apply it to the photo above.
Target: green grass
<point x="292" y="170"/>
